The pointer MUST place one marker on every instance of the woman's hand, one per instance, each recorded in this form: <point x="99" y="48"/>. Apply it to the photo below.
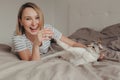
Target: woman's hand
<point x="47" y="34"/>
<point x="43" y="34"/>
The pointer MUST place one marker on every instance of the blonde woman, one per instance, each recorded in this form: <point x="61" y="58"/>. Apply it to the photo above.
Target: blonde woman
<point x="32" y="36"/>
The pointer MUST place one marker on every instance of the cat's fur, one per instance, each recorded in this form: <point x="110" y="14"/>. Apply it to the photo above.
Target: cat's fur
<point x="77" y="55"/>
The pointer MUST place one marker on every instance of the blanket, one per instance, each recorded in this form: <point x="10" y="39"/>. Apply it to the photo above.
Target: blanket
<point x="11" y="68"/>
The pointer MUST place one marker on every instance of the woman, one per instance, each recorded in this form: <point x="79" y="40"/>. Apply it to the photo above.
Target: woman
<point x="32" y="37"/>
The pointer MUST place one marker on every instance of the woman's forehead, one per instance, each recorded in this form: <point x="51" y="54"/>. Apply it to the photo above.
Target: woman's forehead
<point x="29" y="12"/>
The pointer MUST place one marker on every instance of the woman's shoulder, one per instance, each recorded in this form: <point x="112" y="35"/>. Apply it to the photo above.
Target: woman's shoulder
<point x="19" y="37"/>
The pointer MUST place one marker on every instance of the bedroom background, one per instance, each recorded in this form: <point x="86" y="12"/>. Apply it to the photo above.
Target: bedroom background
<point x="66" y="15"/>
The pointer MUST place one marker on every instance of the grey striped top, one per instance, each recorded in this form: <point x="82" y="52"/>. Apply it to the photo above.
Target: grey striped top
<point x="21" y="42"/>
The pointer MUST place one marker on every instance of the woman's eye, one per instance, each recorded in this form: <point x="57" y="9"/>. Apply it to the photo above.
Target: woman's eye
<point x="37" y="17"/>
<point x="27" y="18"/>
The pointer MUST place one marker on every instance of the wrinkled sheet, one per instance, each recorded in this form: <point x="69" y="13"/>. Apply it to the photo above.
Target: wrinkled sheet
<point x="11" y="68"/>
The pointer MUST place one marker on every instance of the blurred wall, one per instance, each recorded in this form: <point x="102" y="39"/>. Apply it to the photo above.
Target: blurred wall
<point x="65" y="15"/>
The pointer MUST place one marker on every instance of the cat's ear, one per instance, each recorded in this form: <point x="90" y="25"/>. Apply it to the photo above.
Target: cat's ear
<point x="99" y="40"/>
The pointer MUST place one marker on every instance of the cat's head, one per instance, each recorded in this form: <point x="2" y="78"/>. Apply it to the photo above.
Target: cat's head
<point x="96" y="45"/>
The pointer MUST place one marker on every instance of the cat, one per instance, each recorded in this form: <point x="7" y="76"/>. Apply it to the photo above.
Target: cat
<point x="77" y="55"/>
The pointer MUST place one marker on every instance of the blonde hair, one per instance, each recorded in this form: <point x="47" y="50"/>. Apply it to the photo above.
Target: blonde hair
<point x="19" y="28"/>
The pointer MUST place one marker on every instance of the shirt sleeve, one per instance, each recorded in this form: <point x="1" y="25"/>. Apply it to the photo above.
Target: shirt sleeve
<point x="18" y="43"/>
<point x="57" y="34"/>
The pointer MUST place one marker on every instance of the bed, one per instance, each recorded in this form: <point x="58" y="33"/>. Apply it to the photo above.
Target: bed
<point x="12" y="68"/>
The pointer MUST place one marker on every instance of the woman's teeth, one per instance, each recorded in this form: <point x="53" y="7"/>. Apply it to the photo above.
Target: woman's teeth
<point x="33" y="28"/>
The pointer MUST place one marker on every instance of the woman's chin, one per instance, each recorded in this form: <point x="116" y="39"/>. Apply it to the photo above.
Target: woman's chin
<point x="34" y="33"/>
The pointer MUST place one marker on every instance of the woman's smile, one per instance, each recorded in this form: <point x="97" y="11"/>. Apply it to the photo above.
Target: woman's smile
<point x="34" y="29"/>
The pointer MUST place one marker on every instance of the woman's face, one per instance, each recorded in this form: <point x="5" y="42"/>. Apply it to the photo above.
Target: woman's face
<point x="30" y="20"/>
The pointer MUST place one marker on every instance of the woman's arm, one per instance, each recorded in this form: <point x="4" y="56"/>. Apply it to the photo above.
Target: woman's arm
<point x="35" y="52"/>
<point x="25" y="54"/>
<point x="71" y="42"/>
<point x="28" y="56"/>
<point x="35" y="55"/>
<point x="75" y="44"/>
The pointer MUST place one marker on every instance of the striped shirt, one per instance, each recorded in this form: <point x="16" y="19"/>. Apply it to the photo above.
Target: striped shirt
<point x="21" y="42"/>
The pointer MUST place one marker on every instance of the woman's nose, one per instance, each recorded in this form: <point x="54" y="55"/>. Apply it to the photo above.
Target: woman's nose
<point x="34" y="22"/>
